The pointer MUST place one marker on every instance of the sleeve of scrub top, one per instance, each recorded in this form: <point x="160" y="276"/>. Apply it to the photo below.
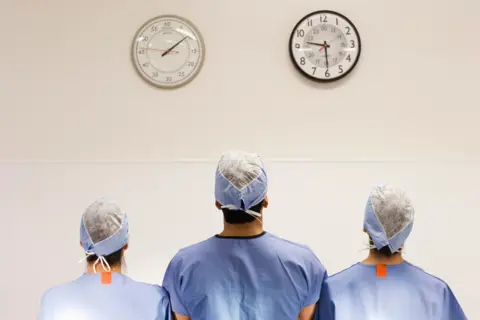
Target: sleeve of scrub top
<point x="45" y="312"/>
<point x="325" y="307"/>
<point x="171" y="282"/>
<point x="452" y="309"/>
<point x="164" y="307"/>
<point x="316" y="276"/>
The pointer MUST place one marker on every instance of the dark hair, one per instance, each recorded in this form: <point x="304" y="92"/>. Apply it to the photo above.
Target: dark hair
<point x="113" y="259"/>
<point x="384" y="251"/>
<point x="240" y="216"/>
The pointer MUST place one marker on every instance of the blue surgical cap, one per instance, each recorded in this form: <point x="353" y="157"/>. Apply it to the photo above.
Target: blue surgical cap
<point x="241" y="181"/>
<point x="389" y="217"/>
<point x="103" y="228"/>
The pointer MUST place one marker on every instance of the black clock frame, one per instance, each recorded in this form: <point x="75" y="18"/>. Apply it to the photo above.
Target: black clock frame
<point x="307" y="75"/>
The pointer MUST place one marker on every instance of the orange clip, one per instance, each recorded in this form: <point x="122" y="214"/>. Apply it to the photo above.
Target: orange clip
<point x="381" y="271"/>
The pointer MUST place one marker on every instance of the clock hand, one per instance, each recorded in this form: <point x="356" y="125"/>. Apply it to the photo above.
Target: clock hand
<point x="161" y="50"/>
<point x="316" y="44"/>
<point x="174" y="46"/>
<point x="326" y="55"/>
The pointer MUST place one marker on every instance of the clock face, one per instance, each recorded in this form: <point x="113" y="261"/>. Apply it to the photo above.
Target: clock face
<point x="168" y="51"/>
<point x="325" y="46"/>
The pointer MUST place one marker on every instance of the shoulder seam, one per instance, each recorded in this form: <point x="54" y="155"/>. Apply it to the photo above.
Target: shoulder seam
<point x="431" y="275"/>
<point x="335" y="274"/>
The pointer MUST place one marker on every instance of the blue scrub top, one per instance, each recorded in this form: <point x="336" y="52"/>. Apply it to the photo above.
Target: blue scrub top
<point x="406" y="292"/>
<point x="244" y="278"/>
<point x="123" y="299"/>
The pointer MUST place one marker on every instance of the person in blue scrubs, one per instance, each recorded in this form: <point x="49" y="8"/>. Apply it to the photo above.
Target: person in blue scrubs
<point x="385" y="286"/>
<point x="104" y="292"/>
<point x="244" y="273"/>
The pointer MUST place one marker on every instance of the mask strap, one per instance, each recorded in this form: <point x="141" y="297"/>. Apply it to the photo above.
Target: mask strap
<point x="250" y="212"/>
<point x="87" y="254"/>
<point x="100" y="259"/>
<point x="104" y="263"/>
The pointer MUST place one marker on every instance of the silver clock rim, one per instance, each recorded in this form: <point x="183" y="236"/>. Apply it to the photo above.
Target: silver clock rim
<point x="160" y="85"/>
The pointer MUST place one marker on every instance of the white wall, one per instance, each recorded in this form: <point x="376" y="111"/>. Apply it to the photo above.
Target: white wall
<point x="76" y="122"/>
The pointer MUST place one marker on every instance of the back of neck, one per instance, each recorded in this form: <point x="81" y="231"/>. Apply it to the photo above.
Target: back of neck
<point x="242" y="230"/>
<point x="99" y="268"/>
<point x="375" y="258"/>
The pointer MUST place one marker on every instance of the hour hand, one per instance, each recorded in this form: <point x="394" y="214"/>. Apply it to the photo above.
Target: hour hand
<point x="316" y="44"/>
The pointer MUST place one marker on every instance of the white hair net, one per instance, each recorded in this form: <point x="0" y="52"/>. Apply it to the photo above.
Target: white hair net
<point x="103" y="230"/>
<point x="241" y="181"/>
<point x="389" y="217"/>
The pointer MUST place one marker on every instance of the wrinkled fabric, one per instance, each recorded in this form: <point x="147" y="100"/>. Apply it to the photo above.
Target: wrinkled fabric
<point x="88" y="299"/>
<point x="406" y="293"/>
<point x="244" y="278"/>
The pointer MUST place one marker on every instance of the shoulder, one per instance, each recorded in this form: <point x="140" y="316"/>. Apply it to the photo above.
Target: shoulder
<point x="189" y="254"/>
<point x="426" y="277"/>
<point x="343" y="276"/>
<point x="195" y="247"/>
<point x="58" y="292"/>
<point x="290" y="246"/>
<point x="153" y="290"/>
<point x="295" y="252"/>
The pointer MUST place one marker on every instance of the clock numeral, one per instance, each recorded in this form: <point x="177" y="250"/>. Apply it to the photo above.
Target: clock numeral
<point x="309" y="22"/>
<point x="310" y="54"/>
<point x="302" y="61"/>
<point x="317" y="62"/>
<point x="191" y="63"/>
<point x="339" y="36"/>
<point x="348" y="30"/>
<point x="352" y="44"/>
<point x="349" y="59"/>
<point x="144" y="38"/>
<point x="343" y="44"/>
<point x="168" y="79"/>
<point x="181" y="74"/>
<point x="141" y="51"/>
<point x="194" y="50"/>
<point x="300" y="33"/>
<point x="167" y="24"/>
<point x="155" y="74"/>
<point x="314" y="70"/>
<point x="297" y="45"/>
<point x="340" y="69"/>
<point x="324" y="19"/>
<point x="145" y="65"/>
<point x="154" y="28"/>
<point x="324" y="28"/>
<point x="334" y="30"/>
<point x="334" y="60"/>
<point x="327" y="74"/>
<point x="309" y="38"/>
<point x="316" y="31"/>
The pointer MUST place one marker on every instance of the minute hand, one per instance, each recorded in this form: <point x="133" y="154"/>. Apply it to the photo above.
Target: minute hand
<point x="174" y="46"/>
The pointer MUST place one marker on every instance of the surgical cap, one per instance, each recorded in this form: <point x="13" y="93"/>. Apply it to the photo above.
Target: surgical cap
<point x="388" y="217"/>
<point x="103" y="229"/>
<point x="241" y="181"/>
